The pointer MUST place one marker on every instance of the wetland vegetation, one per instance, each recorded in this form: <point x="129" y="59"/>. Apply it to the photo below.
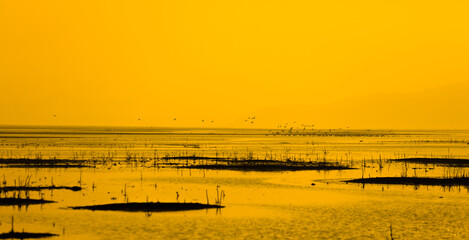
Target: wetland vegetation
<point x="148" y="207"/>
<point x="456" y="181"/>
<point x="17" y="201"/>
<point x="436" y="160"/>
<point x="25" y="235"/>
<point x="269" y="165"/>
<point x="269" y="172"/>
<point x="12" y="234"/>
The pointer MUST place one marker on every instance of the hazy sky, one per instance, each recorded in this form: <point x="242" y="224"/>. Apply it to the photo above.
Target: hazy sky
<point x="361" y="63"/>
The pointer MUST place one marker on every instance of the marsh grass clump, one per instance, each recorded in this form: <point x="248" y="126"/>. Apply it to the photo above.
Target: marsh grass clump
<point x="434" y="160"/>
<point x="16" y="201"/>
<point x="417" y="181"/>
<point x="43" y="163"/>
<point x="19" y="193"/>
<point x="220" y="196"/>
<point x="147" y="207"/>
<point x="25" y="186"/>
<point x="23" y="235"/>
<point x="268" y="165"/>
<point x="455" y="173"/>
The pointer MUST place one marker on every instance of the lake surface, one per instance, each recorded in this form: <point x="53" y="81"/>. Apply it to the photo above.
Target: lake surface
<point x="259" y="205"/>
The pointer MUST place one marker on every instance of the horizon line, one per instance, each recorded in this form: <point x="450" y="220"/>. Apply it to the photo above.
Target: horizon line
<point x="214" y="128"/>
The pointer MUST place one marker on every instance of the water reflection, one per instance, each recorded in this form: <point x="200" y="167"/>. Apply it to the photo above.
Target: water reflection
<point x="266" y="204"/>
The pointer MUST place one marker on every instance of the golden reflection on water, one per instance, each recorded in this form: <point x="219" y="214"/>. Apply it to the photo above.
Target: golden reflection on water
<point x="258" y="204"/>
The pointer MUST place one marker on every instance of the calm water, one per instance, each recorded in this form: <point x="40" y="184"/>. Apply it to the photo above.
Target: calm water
<point x="268" y="205"/>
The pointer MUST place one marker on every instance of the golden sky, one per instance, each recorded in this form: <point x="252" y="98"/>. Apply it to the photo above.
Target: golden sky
<point x="342" y="63"/>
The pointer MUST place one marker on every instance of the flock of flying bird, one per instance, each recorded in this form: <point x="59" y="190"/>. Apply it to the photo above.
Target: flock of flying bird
<point x="251" y="120"/>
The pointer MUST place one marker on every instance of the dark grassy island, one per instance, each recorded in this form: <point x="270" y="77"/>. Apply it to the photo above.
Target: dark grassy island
<point x="440" y="161"/>
<point x="194" y="158"/>
<point x="42" y="163"/>
<point x="148" y="207"/>
<point x="25" y="235"/>
<point x="268" y="165"/>
<point x="22" y="201"/>
<point x="457" y="181"/>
